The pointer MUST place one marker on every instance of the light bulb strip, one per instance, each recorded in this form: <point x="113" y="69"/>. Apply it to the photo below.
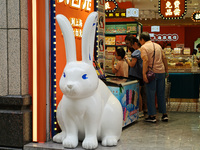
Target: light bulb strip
<point x="53" y="68"/>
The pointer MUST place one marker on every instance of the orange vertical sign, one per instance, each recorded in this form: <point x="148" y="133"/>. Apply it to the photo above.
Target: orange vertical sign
<point x="76" y="12"/>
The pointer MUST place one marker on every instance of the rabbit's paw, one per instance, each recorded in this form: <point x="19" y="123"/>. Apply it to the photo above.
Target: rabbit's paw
<point x="109" y="141"/>
<point x="70" y="142"/>
<point x="90" y="143"/>
<point x="58" y="138"/>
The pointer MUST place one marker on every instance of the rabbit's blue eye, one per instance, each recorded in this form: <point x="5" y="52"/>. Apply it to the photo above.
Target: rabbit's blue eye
<point x="93" y="24"/>
<point x="84" y="76"/>
<point x="89" y="57"/>
<point x="64" y="75"/>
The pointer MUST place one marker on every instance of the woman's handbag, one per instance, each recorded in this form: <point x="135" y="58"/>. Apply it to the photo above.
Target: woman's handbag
<point x="150" y="74"/>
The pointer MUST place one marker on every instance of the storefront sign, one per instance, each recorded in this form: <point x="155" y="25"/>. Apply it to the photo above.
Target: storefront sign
<point x="83" y="4"/>
<point x="196" y="16"/>
<point x="110" y="6"/>
<point x="132" y="12"/>
<point x="172" y="9"/>
<point x="164" y="37"/>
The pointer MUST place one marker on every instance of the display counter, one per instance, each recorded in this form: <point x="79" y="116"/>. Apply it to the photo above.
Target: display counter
<point x="184" y="76"/>
<point x="184" y="85"/>
<point x="127" y="92"/>
<point x="194" y="70"/>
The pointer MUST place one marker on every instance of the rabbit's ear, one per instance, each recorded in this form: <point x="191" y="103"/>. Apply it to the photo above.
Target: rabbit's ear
<point x="88" y="37"/>
<point x="70" y="46"/>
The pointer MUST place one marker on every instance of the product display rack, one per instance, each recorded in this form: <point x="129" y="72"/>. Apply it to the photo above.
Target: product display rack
<point x="115" y="33"/>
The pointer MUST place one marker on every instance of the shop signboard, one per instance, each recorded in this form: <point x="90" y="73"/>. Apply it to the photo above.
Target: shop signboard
<point x="100" y="36"/>
<point x="196" y="16"/>
<point x="164" y="37"/>
<point x="172" y="9"/>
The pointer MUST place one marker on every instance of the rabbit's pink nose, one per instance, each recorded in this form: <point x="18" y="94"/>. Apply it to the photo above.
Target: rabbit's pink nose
<point x="69" y="86"/>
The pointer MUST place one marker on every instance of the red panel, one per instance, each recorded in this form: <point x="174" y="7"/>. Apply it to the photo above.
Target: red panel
<point x="124" y="5"/>
<point x="192" y="33"/>
<point x="41" y="73"/>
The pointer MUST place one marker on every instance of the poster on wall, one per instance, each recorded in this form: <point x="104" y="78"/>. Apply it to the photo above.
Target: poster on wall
<point x="101" y="50"/>
<point x="101" y="33"/>
<point x="101" y="43"/>
<point x="101" y="5"/>
<point x="101" y="23"/>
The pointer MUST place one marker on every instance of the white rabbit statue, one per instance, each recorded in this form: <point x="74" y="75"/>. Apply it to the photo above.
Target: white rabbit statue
<point x="88" y="111"/>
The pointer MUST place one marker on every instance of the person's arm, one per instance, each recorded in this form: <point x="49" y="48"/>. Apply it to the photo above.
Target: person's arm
<point x="114" y="70"/>
<point x="145" y="64"/>
<point x="145" y="68"/>
<point x="131" y="62"/>
<point x="165" y="64"/>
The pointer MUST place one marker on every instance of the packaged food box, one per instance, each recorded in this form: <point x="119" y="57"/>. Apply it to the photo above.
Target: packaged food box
<point x="121" y="28"/>
<point x="120" y="39"/>
<point x="131" y="28"/>
<point x="110" y="29"/>
<point x="110" y="40"/>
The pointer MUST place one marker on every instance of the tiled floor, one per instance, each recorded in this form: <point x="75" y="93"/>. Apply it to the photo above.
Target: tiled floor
<point x="184" y="107"/>
<point x="182" y="132"/>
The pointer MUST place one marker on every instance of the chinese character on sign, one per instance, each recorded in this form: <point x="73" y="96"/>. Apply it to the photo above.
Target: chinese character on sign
<point x="177" y="8"/>
<point x="174" y="37"/>
<point x="76" y="25"/>
<point x="168" y="8"/>
<point x="78" y="32"/>
<point x="72" y="20"/>
<point x="168" y="5"/>
<point x="197" y="16"/>
<point x="177" y="12"/>
<point x="75" y="22"/>
<point x="177" y="4"/>
<point x="86" y="5"/>
<point x="76" y="3"/>
<point x="107" y="6"/>
<point x="168" y="13"/>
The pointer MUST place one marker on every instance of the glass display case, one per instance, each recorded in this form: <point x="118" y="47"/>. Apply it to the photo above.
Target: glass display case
<point x="179" y="62"/>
